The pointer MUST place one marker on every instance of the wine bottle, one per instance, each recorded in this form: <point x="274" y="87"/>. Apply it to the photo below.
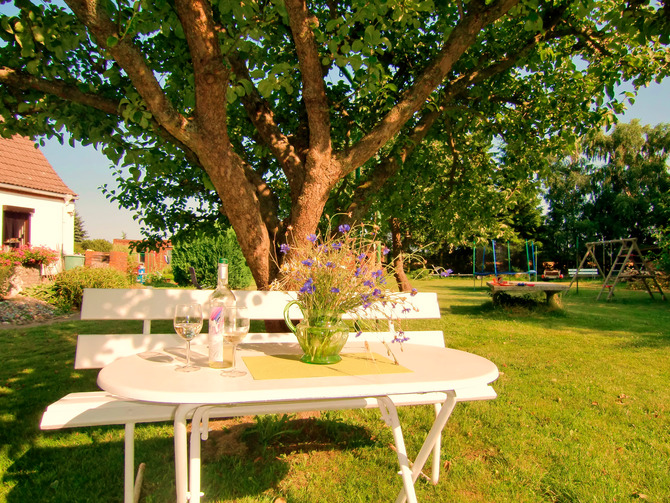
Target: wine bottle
<point x="219" y="300"/>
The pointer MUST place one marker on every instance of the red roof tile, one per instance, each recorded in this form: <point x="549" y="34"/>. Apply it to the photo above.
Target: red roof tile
<point x="22" y="165"/>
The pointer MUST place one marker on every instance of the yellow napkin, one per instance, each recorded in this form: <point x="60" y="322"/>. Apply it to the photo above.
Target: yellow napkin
<point x="290" y="366"/>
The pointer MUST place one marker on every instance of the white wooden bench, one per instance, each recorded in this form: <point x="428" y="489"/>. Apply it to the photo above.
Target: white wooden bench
<point x="586" y="273"/>
<point x="95" y="351"/>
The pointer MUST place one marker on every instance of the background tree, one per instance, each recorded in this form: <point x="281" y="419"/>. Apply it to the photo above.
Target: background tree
<point x="80" y="233"/>
<point x="615" y="186"/>
<point x="264" y="111"/>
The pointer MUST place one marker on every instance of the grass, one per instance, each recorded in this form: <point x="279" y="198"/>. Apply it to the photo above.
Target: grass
<point x="582" y="416"/>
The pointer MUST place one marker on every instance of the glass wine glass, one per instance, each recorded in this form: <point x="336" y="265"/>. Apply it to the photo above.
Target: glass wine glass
<point x="187" y="324"/>
<point x="235" y="328"/>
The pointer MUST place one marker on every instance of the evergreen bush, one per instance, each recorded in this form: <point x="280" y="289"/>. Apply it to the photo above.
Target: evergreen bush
<point x="202" y="253"/>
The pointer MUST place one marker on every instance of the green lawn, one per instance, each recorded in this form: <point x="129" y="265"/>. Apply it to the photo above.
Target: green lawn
<point x="582" y="415"/>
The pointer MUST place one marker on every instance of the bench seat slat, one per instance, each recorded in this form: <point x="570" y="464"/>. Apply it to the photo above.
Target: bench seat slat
<point x="101" y="408"/>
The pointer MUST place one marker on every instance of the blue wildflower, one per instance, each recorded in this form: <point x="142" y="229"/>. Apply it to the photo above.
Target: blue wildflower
<point x="376" y="292"/>
<point x="359" y="333"/>
<point x="344" y="228"/>
<point x="335" y="290"/>
<point x="406" y="309"/>
<point x="284" y="248"/>
<point x="308" y="262"/>
<point x="378" y="274"/>
<point x="400" y="337"/>
<point x="311" y="238"/>
<point x="361" y="256"/>
<point x="446" y="273"/>
<point x="358" y="272"/>
<point x="366" y="305"/>
<point x="385" y="250"/>
<point x="308" y="287"/>
<point x="413" y="292"/>
<point x="337" y="245"/>
<point x="368" y="283"/>
<point x="364" y="297"/>
<point x="330" y="264"/>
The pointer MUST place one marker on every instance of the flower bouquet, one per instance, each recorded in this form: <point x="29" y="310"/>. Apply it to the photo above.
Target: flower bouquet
<point x="335" y="273"/>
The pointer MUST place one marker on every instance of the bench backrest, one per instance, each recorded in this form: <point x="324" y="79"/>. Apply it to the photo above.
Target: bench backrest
<point x="95" y="351"/>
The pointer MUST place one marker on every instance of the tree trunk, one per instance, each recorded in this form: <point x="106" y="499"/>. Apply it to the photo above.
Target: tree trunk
<point x="398" y="265"/>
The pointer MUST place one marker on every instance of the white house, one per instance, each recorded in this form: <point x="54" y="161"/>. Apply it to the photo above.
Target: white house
<point x="37" y="206"/>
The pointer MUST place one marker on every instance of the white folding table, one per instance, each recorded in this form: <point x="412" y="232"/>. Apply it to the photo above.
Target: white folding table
<point x="207" y="393"/>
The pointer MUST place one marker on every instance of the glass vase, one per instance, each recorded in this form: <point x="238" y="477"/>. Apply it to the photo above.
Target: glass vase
<point x="321" y="335"/>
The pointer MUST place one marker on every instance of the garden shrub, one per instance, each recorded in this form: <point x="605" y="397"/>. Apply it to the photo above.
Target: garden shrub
<point x="202" y="253"/>
<point x="418" y="274"/>
<point x="67" y="290"/>
<point x="99" y="245"/>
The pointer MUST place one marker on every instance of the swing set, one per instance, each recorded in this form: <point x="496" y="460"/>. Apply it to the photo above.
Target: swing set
<point x="629" y="263"/>
<point x="500" y="259"/>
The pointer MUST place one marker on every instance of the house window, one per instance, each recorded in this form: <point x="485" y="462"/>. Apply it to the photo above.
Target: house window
<point x="16" y="225"/>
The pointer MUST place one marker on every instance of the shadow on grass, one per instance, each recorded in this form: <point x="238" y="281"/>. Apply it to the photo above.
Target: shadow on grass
<point x="260" y="451"/>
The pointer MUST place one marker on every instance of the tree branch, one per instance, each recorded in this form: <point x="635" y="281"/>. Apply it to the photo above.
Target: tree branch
<point x="211" y="75"/>
<point x="460" y="39"/>
<point x="482" y="71"/>
<point x="314" y="89"/>
<point x="59" y="88"/>
<point x="93" y="14"/>
<point x="455" y="155"/>
<point x="262" y="117"/>
<point x="389" y="166"/>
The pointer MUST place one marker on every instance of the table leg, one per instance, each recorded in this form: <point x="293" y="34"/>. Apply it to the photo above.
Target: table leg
<point x="199" y="427"/>
<point x="390" y="415"/>
<point x="436" y="451"/>
<point x="129" y="467"/>
<point x="434" y="436"/>
<point x="181" y="451"/>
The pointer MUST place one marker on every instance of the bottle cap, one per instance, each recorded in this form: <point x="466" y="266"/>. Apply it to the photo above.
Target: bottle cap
<point x="223" y="260"/>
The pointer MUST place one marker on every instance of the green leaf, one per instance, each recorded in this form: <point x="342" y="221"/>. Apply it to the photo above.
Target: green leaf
<point x="33" y="67"/>
<point x="112" y="41"/>
<point x="206" y="181"/>
<point x="265" y="88"/>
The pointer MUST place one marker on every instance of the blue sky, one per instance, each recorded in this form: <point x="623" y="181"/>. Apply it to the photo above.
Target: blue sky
<point x="84" y="169"/>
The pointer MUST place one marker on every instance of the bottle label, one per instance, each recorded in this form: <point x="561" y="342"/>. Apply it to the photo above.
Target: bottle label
<point x="215" y="338"/>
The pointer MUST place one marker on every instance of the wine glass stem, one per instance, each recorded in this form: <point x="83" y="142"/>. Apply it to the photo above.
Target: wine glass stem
<point x="188" y="353"/>
<point x="234" y="350"/>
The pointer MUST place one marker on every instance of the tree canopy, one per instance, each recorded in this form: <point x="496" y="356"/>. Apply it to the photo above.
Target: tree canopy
<point x="269" y="112"/>
<point x="615" y="186"/>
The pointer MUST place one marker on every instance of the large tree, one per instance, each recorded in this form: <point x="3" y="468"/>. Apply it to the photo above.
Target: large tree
<point x="615" y="186"/>
<point x="261" y="109"/>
